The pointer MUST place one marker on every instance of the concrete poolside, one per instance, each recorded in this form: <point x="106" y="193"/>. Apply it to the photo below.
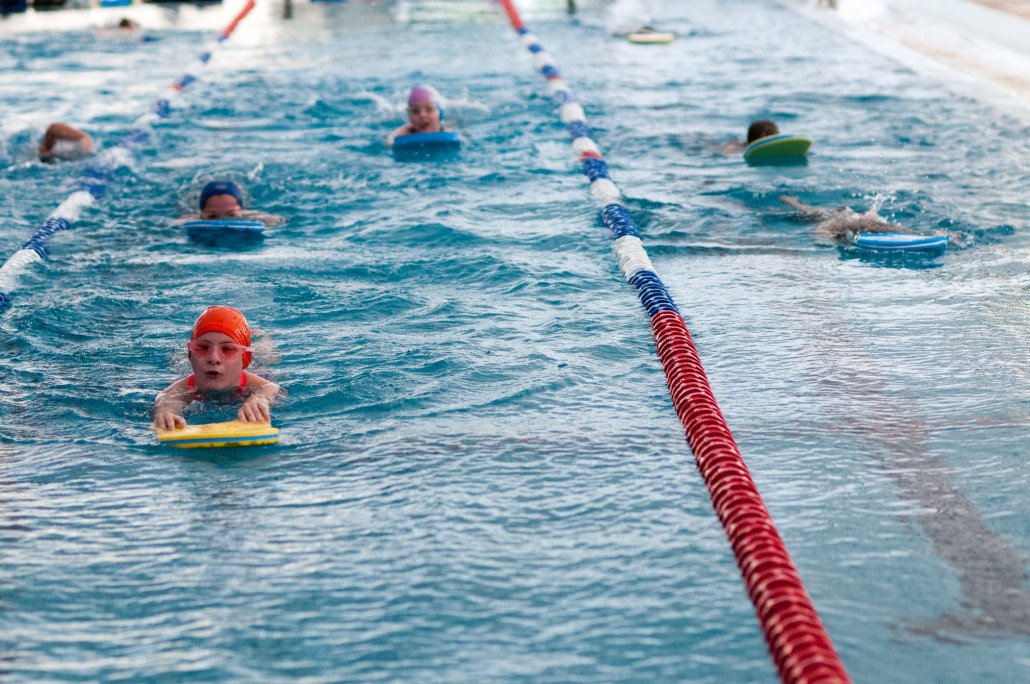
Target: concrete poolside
<point x="978" y="48"/>
<point x="1018" y="7"/>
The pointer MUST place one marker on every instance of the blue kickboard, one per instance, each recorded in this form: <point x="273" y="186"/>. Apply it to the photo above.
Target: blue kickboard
<point x="440" y="140"/>
<point x="900" y="241"/>
<point x="212" y="232"/>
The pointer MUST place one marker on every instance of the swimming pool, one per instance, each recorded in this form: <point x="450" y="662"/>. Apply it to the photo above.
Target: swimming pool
<point x="481" y="476"/>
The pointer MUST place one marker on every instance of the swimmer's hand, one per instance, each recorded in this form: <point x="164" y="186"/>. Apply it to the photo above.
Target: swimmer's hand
<point x="166" y="419"/>
<point x="255" y="409"/>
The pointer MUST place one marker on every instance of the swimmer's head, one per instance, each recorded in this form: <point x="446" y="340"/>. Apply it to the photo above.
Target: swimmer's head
<point x="220" y="199"/>
<point x="761" y="129"/>
<point x="424" y="109"/>
<point x="424" y="93"/>
<point x="228" y="321"/>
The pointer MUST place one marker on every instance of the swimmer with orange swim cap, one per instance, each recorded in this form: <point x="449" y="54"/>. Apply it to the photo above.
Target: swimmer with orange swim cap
<point x="425" y="113"/>
<point x="219" y="351"/>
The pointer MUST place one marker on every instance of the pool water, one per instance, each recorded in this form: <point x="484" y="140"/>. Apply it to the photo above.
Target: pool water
<point x="481" y="476"/>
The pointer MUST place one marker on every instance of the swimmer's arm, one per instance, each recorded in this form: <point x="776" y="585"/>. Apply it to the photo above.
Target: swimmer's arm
<point x="406" y="129"/>
<point x="267" y="219"/>
<point x="184" y="219"/>
<point x="732" y="147"/>
<point x="886" y="228"/>
<point x="803" y="208"/>
<point x="60" y="131"/>
<point x="169" y="405"/>
<point x="260" y="399"/>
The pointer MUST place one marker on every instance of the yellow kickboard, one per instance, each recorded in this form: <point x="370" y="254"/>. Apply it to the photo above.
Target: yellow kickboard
<point x="650" y="38"/>
<point x="232" y="433"/>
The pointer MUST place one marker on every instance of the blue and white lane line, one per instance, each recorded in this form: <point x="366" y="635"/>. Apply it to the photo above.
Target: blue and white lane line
<point x="629" y="251"/>
<point x="92" y="184"/>
<point x="798" y="643"/>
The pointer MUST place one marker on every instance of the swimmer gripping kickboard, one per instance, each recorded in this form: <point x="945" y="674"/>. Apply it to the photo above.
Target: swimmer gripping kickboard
<point x="777" y="147"/>
<point x="223" y="232"/>
<point x="232" y="433"/>
<point x="900" y="242"/>
<point x="425" y="144"/>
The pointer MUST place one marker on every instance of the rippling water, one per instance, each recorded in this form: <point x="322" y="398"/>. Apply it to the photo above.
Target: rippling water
<point x="481" y="476"/>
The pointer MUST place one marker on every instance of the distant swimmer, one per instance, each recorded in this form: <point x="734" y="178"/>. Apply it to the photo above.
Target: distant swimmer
<point x="762" y="128"/>
<point x="425" y="113"/>
<point x="219" y="350"/>
<point x="223" y="199"/>
<point x="62" y="142"/>
<point x="123" y="28"/>
<point x="843" y="224"/>
<point x="648" y="35"/>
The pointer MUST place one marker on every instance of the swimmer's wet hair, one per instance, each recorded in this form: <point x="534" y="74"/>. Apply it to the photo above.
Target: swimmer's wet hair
<point x="761" y="129"/>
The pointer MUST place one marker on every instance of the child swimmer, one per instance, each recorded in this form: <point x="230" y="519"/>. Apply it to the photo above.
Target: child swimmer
<point x="425" y="114"/>
<point x="219" y="351"/>
<point x="762" y="128"/>
<point x="843" y="224"/>
<point x="62" y="142"/>
<point x="223" y="199"/>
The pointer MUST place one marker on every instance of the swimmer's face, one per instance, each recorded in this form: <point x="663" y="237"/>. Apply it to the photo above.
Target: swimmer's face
<point x="216" y="371"/>
<point x="221" y="206"/>
<point x="424" y="117"/>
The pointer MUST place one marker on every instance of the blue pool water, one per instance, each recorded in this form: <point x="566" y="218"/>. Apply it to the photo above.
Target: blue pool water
<point x="481" y="476"/>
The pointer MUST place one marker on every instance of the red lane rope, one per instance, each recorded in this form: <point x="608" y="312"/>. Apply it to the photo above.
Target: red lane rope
<point x="798" y="643"/>
<point x="513" y="15"/>
<point x="239" y="17"/>
<point x="797" y="640"/>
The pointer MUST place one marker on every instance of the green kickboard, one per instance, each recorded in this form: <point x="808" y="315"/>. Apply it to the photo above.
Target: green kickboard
<point x="777" y="146"/>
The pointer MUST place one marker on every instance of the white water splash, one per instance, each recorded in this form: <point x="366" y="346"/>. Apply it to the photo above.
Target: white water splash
<point x="256" y="172"/>
<point x="627" y="16"/>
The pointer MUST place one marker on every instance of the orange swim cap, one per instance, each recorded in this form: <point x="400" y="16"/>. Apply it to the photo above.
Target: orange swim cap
<point x="228" y="321"/>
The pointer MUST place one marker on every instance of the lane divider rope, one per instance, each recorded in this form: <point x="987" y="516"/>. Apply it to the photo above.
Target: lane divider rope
<point x="92" y="183"/>
<point x="798" y="643"/>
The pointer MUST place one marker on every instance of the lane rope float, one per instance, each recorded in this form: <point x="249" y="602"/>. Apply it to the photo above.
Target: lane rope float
<point x="798" y="643"/>
<point x="92" y="184"/>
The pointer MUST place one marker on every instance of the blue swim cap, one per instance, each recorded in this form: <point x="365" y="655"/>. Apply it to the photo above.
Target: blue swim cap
<point x="220" y="187"/>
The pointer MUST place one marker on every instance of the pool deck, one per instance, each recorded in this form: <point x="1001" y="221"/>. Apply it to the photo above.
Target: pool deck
<point x="1021" y="8"/>
<point x="979" y="48"/>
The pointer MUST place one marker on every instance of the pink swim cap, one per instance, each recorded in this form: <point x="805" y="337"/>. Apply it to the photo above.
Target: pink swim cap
<point x="424" y="93"/>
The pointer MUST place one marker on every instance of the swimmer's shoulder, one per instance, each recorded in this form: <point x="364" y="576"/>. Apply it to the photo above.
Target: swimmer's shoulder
<point x="406" y="129"/>
<point x="256" y="382"/>
<point x="179" y="389"/>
